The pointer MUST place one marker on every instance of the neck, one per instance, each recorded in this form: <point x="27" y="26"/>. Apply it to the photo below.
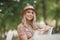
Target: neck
<point x="30" y="22"/>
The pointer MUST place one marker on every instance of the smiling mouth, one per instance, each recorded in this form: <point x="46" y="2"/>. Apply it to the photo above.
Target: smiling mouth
<point x="30" y="16"/>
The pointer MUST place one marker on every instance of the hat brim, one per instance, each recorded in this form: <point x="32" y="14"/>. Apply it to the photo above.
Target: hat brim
<point x="24" y="11"/>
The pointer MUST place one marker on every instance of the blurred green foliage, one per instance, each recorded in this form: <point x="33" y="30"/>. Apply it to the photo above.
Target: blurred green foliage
<point x="10" y="11"/>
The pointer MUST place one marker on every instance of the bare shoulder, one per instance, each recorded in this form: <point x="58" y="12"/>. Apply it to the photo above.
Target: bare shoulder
<point x="20" y="28"/>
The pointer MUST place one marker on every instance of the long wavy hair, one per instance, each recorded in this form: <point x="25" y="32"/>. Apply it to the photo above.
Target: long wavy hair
<point x="32" y="22"/>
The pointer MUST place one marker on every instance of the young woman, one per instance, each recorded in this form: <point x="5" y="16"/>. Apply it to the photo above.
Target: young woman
<point x="28" y="25"/>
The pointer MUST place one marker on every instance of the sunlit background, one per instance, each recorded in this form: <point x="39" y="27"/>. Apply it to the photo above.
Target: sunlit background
<point x="10" y="14"/>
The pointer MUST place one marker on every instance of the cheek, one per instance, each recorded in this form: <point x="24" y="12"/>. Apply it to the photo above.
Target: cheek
<point x="32" y="16"/>
<point x="28" y="17"/>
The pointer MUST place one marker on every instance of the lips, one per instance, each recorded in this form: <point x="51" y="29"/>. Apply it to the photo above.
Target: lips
<point x="30" y="16"/>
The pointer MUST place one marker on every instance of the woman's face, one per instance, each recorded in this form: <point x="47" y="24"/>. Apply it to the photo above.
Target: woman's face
<point x="29" y="14"/>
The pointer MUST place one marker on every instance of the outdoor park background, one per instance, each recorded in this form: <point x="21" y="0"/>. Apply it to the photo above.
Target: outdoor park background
<point x="10" y="10"/>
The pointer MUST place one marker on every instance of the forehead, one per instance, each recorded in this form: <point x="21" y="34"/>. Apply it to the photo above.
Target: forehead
<point x="30" y="10"/>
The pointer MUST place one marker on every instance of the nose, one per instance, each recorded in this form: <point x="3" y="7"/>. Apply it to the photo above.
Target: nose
<point x="30" y="14"/>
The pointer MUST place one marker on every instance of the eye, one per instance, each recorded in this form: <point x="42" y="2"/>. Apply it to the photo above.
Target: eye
<point x="32" y="12"/>
<point x="28" y="12"/>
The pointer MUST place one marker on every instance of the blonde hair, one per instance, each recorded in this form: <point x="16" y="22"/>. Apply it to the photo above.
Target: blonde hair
<point x="32" y="22"/>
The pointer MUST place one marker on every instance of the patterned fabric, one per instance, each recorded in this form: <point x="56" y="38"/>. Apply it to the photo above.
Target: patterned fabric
<point x="29" y="33"/>
<point x="24" y="31"/>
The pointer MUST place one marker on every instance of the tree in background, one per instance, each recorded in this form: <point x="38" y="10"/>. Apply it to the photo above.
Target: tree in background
<point x="10" y="11"/>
